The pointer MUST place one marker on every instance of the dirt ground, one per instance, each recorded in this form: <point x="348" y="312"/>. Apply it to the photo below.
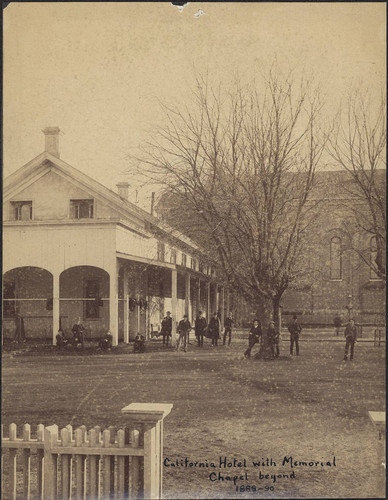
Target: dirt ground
<point x="312" y="407"/>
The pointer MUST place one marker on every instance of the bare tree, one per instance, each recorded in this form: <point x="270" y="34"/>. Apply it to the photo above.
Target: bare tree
<point x="358" y="145"/>
<point x="238" y="168"/>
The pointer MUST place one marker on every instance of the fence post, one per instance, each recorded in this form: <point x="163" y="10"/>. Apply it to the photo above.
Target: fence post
<point x="378" y="419"/>
<point x="26" y="463"/>
<point x="13" y="462"/>
<point x="50" y="463"/>
<point x="150" y="416"/>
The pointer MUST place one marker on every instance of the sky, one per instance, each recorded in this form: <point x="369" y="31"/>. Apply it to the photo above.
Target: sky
<point x="99" y="71"/>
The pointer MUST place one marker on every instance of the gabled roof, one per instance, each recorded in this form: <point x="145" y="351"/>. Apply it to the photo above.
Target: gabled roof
<point x="46" y="162"/>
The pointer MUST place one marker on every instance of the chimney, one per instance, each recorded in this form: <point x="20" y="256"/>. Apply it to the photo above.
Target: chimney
<point x="122" y="189"/>
<point x="153" y="204"/>
<point x="52" y="140"/>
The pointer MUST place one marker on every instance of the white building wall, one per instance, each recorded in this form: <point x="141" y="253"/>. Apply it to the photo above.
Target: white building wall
<point x="56" y="248"/>
<point x="133" y="244"/>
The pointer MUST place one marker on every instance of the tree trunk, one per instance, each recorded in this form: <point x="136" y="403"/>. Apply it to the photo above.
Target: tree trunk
<point x="264" y="311"/>
<point x="276" y="313"/>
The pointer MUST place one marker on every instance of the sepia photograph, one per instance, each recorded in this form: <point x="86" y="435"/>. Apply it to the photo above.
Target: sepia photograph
<point x="193" y="250"/>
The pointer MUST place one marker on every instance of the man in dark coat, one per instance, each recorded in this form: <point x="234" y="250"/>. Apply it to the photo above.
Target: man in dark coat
<point x="294" y="328"/>
<point x="214" y="329"/>
<point x="61" y="339"/>
<point x="166" y="328"/>
<point x="351" y="337"/>
<point x="228" y="328"/>
<point x="184" y="328"/>
<point x="139" y="345"/>
<point x="337" y="324"/>
<point x="200" y="328"/>
<point x="255" y="336"/>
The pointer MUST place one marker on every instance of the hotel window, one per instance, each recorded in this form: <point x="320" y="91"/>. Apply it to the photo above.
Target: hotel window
<point x="184" y="259"/>
<point x="91" y="307"/>
<point x="160" y="251"/>
<point x="82" y="209"/>
<point x="373" y="259"/>
<point x="335" y="259"/>
<point x="173" y="257"/>
<point x="22" y="210"/>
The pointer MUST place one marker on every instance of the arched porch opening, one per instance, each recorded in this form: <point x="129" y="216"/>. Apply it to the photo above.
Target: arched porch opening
<point x="84" y="294"/>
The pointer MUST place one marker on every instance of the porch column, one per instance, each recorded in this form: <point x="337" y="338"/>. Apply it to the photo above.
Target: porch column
<point x="216" y="297"/>
<point x="174" y="292"/>
<point x="113" y="304"/>
<point x="199" y="296"/>
<point x="126" y="306"/>
<point x="146" y="313"/>
<point x="187" y="294"/>
<point x="208" y="313"/>
<point x="55" y="305"/>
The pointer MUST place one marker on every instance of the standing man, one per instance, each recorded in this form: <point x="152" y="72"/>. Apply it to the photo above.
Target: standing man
<point x="214" y="329"/>
<point x="294" y="328"/>
<point x="184" y="328"/>
<point x="166" y="328"/>
<point x="200" y="327"/>
<point x="337" y="324"/>
<point x="255" y="335"/>
<point x="228" y="327"/>
<point x="351" y="336"/>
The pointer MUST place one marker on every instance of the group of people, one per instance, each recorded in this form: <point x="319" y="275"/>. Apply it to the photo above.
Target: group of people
<point x="78" y="339"/>
<point x="269" y="339"/>
<point x="202" y="329"/>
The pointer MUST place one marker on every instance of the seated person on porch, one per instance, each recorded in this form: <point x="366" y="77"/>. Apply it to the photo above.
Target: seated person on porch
<point x="139" y="343"/>
<point x="106" y="342"/>
<point x="61" y="339"/>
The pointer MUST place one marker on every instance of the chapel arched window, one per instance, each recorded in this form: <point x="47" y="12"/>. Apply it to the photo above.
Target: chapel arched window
<point x="335" y="258"/>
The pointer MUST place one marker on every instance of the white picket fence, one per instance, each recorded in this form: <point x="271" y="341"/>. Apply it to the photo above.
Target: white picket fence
<point x="87" y="464"/>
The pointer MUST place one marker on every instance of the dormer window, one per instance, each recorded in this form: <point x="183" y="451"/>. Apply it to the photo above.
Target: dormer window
<point x="22" y="210"/>
<point x="82" y="209"/>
